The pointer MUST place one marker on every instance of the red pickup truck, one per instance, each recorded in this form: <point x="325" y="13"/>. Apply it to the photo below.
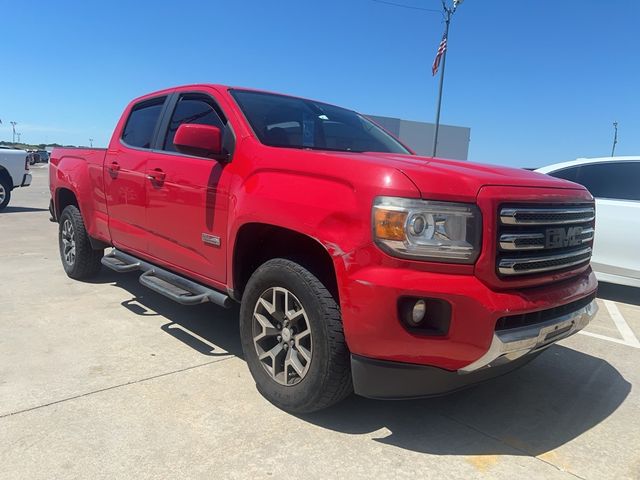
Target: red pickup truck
<point x="358" y="265"/>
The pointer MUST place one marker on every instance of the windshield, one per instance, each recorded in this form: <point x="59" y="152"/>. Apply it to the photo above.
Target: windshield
<point x="282" y="121"/>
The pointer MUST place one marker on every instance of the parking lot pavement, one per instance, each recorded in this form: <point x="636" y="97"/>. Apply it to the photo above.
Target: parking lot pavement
<point x="105" y="379"/>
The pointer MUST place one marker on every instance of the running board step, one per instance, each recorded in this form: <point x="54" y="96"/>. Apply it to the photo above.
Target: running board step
<point x="117" y="265"/>
<point x="177" y="288"/>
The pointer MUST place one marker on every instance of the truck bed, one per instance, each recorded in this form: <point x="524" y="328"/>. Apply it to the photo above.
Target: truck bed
<point x="91" y="155"/>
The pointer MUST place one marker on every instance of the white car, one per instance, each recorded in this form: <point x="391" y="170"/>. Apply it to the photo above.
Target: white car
<point x="14" y="172"/>
<point x="615" y="184"/>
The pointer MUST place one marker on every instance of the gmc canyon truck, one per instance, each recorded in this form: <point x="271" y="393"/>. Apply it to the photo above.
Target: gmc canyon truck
<point x="358" y="265"/>
<point x="14" y="173"/>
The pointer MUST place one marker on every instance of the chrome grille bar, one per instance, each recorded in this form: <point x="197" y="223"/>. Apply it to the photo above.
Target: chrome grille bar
<point x="534" y="240"/>
<point x="522" y="241"/>
<point x="546" y="216"/>
<point x="527" y="265"/>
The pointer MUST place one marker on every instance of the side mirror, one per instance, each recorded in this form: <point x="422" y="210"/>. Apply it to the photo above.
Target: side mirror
<point x="198" y="140"/>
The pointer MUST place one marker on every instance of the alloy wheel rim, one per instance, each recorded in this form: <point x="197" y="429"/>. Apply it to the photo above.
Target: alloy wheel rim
<point x="68" y="242"/>
<point x="3" y="193"/>
<point x="282" y="336"/>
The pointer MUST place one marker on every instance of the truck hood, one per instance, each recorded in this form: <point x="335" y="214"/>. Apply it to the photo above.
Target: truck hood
<point x="452" y="179"/>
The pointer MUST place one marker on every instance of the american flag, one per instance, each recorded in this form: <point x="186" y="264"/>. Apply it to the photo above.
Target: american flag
<point x="441" y="49"/>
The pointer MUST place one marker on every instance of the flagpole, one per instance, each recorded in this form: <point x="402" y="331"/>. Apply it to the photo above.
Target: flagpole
<point x="447" y="19"/>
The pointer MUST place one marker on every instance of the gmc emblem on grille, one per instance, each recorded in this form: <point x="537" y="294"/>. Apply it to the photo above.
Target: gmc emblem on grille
<point x="562" y="237"/>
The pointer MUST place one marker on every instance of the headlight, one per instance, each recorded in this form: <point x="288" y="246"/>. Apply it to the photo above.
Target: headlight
<point x="426" y="230"/>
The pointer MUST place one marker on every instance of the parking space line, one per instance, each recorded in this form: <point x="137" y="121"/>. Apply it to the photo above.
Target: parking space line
<point x="604" y="337"/>
<point x="628" y="337"/>
<point x="622" y="325"/>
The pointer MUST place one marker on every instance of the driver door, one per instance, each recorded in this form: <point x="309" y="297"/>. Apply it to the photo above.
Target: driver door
<point x="188" y="196"/>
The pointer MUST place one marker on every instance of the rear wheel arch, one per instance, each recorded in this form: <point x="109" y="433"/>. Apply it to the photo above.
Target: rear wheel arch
<point x="5" y="175"/>
<point x="64" y="198"/>
<point x="257" y="243"/>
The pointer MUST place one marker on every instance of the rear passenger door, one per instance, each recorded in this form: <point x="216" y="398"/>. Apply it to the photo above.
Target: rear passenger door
<point x="187" y="196"/>
<point x="124" y="175"/>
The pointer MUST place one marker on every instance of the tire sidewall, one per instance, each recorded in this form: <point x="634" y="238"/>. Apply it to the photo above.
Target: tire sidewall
<point x="67" y="214"/>
<point x="295" y="397"/>
<point x="7" y="193"/>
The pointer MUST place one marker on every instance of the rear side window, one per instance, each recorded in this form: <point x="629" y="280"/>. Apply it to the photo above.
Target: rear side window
<point x="142" y="121"/>
<point x="192" y="108"/>
<point x="615" y="180"/>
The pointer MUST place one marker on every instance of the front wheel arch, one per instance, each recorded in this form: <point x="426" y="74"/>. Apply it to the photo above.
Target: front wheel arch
<point x="257" y="243"/>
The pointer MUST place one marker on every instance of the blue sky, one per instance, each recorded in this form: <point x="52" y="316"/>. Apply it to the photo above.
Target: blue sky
<point x="537" y="81"/>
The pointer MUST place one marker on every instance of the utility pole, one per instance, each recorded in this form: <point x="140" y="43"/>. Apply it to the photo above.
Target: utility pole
<point x="615" y="138"/>
<point x="448" y="13"/>
<point x="91" y="142"/>
<point x="13" y="126"/>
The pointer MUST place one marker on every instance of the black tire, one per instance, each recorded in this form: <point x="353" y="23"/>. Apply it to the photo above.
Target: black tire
<point x="86" y="261"/>
<point x="6" y="189"/>
<point x="328" y="378"/>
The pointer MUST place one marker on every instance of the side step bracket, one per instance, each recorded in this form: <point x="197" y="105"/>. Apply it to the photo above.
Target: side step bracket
<point x="173" y="286"/>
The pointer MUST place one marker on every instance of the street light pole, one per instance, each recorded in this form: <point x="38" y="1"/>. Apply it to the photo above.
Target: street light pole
<point x="91" y="142"/>
<point x="615" y="138"/>
<point x="448" y="13"/>
<point x="13" y="126"/>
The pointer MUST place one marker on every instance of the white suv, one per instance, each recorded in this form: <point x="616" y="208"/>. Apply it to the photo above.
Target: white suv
<point x="14" y="172"/>
<point x="615" y="184"/>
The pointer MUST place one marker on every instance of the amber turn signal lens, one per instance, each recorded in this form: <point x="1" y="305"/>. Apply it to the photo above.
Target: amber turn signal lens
<point x="389" y="224"/>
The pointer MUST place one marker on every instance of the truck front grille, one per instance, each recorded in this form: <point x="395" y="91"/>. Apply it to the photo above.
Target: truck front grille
<point x="543" y="238"/>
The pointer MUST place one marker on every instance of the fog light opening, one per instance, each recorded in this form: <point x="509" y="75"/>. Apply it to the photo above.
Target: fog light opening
<point x="425" y="316"/>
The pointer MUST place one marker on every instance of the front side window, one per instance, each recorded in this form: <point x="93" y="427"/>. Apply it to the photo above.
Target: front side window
<point x="138" y="132"/>
<point x="570" y="174"/>
<point x="615" y="180"/>
<point x="282" y="121"/>
<point x="191" y="108"/>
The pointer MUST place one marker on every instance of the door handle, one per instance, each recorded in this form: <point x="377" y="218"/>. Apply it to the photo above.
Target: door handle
<point x="114" y="168"/>
<point x="156" y="175"/>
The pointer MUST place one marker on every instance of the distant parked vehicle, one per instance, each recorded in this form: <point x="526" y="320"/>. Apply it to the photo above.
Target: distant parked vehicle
<point x="615" y="183"/>
<point x="43" y="156"/>
<point x="37" y="156"/>
<point x="14" y="172"/>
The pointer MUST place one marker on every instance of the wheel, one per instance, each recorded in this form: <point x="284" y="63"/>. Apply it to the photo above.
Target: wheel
<point x="5" y="193"/>
<point x="78" y="258"/>
<point x="292" y="338"/>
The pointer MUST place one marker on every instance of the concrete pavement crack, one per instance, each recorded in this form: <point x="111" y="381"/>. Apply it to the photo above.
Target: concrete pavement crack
<point x="113" y="387"/>
<point x="499" y="440"/>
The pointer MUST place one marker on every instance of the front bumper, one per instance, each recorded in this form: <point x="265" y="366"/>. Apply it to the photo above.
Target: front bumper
<point x="26" y="180"/>
<point x="385" y="380"/>
<point x="369" y="304"/>
<point x="509" y="350"/>
<point x="511" y="344"/>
